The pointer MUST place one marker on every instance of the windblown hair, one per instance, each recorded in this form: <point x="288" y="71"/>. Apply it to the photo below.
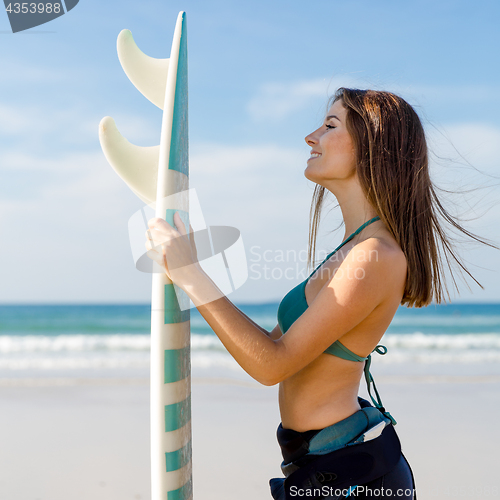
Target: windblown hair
<point x="393" y="169"/>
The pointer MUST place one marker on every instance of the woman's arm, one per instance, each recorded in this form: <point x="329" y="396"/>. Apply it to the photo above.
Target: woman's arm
<point x="177" y="256"/>
<point x="274" y="334"/>
<point x="359" y="285"/>
<point x="356" y="289"/>
<point x="215" y="292"/>
<point x="250" y="345"/>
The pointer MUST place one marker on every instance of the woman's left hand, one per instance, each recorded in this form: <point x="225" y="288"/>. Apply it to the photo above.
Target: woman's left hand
<point x="172" y="250"/>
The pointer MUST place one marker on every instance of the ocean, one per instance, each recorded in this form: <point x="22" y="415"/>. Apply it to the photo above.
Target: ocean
<point x="51" y="338"/>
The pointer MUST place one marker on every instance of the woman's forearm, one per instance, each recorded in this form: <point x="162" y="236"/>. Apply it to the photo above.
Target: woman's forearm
<point x="248" y="343"/>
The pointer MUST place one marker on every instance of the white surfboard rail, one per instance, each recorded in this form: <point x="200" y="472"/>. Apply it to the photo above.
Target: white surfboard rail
<point x="160" y="175"/>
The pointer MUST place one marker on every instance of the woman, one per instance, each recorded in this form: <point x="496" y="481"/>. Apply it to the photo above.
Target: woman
<point x="371" y="154"/>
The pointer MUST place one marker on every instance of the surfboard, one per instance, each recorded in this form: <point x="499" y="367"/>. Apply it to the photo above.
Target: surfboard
<point x="159" y="176"/>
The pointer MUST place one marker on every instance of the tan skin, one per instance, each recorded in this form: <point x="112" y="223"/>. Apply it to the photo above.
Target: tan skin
<point x="352" y="297"/>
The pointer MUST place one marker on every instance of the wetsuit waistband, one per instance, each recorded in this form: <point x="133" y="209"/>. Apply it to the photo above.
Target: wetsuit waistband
<point x="296" y="444"/>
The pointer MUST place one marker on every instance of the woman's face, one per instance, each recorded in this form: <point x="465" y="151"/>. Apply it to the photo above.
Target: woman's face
<point x="332" y="154"/>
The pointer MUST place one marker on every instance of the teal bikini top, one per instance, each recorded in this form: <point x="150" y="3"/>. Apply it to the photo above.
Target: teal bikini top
<point x="294" y="304"/>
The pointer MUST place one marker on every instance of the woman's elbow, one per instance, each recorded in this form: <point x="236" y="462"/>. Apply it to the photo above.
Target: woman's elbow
<point x="271" y="377"/>
<point x="267" y="376"/>
<point x="269" y="381"/>
<point x="277" y="369"/>
<point x="272" y="369"/>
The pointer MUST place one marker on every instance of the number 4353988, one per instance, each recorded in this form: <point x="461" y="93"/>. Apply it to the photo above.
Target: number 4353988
<point x="33" y="8"/>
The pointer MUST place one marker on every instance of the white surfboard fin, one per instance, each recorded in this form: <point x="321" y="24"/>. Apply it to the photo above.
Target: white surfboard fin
<point x="136" y="165"/>
<point x="148" y="74"/>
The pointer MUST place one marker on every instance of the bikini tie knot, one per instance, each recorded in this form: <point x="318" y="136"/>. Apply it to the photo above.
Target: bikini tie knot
<point x="381" y="349"/>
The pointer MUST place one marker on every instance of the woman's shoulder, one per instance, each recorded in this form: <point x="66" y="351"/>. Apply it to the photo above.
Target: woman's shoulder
<point x="379" y="254"/>
<point x="381" y="246"/>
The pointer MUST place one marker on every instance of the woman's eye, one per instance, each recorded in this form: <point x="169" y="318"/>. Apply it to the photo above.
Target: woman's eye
<point x="330" y="126"/>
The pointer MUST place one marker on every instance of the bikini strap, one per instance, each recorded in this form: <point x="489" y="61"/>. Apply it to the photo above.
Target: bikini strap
<point x="380" y="349"/>
<point x="347" y="240"/>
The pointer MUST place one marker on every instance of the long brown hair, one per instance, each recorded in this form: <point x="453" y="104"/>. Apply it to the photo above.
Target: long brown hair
<point x="392" y="167"/>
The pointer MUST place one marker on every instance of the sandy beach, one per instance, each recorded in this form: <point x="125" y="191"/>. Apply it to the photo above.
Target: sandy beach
<point x="88" y="438"/>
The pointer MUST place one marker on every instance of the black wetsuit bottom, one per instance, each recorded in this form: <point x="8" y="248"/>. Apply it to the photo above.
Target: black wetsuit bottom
<point x="398" y="484"/>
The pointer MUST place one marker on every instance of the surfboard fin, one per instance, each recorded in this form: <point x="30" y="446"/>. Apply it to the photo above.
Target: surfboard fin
<point x="136" y="165"/>
<point x="149" y="75"/>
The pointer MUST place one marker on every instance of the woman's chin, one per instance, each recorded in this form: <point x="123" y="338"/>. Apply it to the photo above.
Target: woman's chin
<point x="309" y="175"/>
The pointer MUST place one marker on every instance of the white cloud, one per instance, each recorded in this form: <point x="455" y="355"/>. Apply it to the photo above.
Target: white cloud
<point x="20" y="72"/>
<point x="464" y="159"/>
<point x="250" y="183"/>
<point x="277" y="100"/>
<point x="65" y="238"/>
<point x="62" y="127"/>
<point x="75" y="182"/>
<point x="477" y="142"/>
<point x="448" y="93"/>
<point x="244" y="160"/>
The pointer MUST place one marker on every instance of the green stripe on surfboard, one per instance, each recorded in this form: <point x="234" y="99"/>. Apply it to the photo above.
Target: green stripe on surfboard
<point x="183" y="493"/>
<point x="177" y="415"/>
<point x="176" y="364"/>
<point x="177" y="459"/>
<point x="169" y="216"/>
<point x="173" y="313"/>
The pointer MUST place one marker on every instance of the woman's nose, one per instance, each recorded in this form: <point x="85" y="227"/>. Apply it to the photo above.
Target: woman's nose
<point x="311" y="140"/>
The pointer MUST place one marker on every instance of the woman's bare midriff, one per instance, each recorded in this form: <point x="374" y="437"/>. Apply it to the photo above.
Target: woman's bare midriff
<point x="325" y="392"/>
<point x="321" y="394"/>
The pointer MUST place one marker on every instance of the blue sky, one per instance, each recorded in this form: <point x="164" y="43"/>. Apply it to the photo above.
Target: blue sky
<point x="260" y="74"/>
